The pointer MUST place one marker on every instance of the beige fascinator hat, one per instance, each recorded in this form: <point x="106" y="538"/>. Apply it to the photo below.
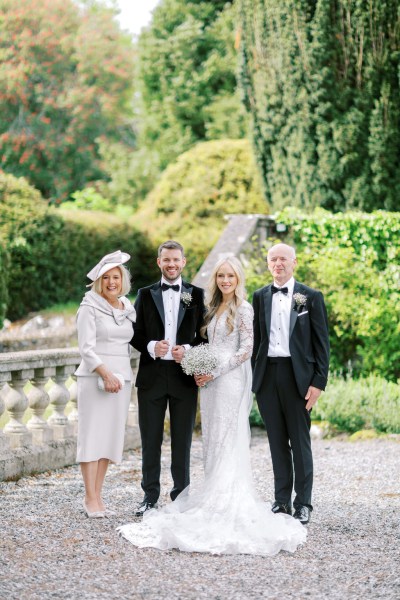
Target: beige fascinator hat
<point x="109" y="261"/>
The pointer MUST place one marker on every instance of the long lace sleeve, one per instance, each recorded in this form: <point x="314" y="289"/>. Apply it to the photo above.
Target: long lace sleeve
<point x="245" y="334"/>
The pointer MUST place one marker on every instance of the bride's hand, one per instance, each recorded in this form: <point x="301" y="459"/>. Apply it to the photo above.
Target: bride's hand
<point x="202" y="380"/>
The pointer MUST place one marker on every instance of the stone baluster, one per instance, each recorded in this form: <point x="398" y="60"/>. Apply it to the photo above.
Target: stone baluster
<point x="16" y="403"/>
<point x="38" y="402"/>
<point x="4" y="441"/>
<point x="59" y="398"/>
<point x="73" y="398"/>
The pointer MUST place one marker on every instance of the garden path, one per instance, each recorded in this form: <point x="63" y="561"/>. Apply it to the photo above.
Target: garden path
<point x="50" y="550"/>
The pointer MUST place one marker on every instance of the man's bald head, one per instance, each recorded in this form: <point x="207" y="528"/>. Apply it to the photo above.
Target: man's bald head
<point x="281" y="262"/>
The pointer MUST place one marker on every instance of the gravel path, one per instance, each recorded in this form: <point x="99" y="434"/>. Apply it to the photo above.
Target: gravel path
<point x="49" y="549"/>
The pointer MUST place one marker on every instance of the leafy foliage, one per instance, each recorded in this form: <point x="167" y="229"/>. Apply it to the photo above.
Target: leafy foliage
<point x="320" y="81"/>
<point x="52" y="250"/>
<point x="4" y="265"/>
<point x="354" y="258"/>
<point x="65" y="82"/>
<point x="352" y="405"/>
<point x="195" y="193"/>
<point x="186" y="80"/>
<point x="88" y="199"/>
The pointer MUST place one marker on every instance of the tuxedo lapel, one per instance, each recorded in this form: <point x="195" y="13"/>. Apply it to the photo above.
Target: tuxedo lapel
<point x="182" y="307"/>
<point x="158" y="301"/>
<point x="293" y="312"/>
<point x="268" y="308"/>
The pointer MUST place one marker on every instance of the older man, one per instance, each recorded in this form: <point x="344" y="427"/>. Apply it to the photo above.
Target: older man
<point x="290" y="368"/>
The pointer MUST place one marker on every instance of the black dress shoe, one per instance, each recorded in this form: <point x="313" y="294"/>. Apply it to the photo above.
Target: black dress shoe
<point x="145" y="506"/>
<point x="280" y="507"/>
<point x="303" y="514"/>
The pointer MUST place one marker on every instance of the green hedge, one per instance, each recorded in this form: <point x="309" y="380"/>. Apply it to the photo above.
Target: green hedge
<point x="51" y="250"/>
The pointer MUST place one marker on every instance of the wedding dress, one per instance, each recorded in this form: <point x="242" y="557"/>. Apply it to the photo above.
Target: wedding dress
<point x="222" y="514"/>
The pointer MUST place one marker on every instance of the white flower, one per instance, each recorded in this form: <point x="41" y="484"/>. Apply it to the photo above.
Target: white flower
<point x="199" y="360"/>
<point x="299" y="300"/>
<point x="186" y="298"/>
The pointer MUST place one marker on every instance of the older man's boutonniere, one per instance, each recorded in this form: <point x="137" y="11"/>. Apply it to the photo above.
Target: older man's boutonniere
<point x="186" y="298"/>
<point x="300" y="300"/>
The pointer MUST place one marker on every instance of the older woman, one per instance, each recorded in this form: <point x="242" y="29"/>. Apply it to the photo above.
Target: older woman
<point x="105" y="327"/>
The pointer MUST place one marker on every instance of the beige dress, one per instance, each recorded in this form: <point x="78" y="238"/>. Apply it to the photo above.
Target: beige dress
<point x="104" y="334"/>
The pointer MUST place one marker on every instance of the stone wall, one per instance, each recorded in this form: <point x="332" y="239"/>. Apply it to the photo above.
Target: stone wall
<point x="38" y="397"/>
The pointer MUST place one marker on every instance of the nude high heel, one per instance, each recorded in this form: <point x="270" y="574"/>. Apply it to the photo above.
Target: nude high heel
<point x="100" y="514"/>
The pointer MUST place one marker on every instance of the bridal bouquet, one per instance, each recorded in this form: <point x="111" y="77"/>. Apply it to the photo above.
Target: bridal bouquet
<point x="199" y="360"/>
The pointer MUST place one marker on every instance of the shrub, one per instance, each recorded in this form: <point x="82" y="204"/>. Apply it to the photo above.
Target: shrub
<point x="4" y="265"/>
<point x="51" y="250"/>
<point x="366" y="403"/>
<point x="195" y="193"/>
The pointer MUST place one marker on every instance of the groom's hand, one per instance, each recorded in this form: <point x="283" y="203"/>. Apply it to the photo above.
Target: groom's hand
<point x="312" y="396"/>
<point x="161" y="348"/>
<point x="177" y="353"/>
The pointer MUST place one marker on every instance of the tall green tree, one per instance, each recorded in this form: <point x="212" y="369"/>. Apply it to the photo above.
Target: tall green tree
<point x="186" y="78"/>
<point x="66" y="75"/>
<point x="320" y="80"/>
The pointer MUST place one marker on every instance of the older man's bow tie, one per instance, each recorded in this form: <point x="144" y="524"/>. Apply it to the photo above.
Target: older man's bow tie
<point x="275" y="289"/>
<point x="165" y="286"/>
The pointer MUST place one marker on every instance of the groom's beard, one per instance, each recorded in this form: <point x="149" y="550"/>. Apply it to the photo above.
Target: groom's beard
<point x="171" y="276"/>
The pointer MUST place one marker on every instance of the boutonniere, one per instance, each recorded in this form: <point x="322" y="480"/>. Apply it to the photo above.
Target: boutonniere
<point x="186" y="298"/>
<point x="300" y="300"/>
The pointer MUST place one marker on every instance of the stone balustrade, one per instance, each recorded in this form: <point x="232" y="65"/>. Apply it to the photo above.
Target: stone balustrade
<point x="41" y="384"/>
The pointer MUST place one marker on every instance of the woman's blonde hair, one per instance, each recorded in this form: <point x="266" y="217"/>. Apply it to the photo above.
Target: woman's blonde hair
<point x="214" y="294"/>
<point x="125" y="283"/>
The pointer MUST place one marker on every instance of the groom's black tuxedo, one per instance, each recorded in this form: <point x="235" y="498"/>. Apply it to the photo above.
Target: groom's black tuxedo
<point x="150" y="325"/>
<point x="162" y="383"/>
<point x="280" y="385"/>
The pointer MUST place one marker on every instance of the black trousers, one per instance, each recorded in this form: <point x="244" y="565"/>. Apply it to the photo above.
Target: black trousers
<point x="288" y="426"/>
<point x="151" y="423"/>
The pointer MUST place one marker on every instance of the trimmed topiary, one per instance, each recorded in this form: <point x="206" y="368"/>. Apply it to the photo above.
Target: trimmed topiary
<point x="194" y="194"/>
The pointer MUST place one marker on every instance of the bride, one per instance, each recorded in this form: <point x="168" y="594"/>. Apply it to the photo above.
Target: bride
<point x="222" y="514"/>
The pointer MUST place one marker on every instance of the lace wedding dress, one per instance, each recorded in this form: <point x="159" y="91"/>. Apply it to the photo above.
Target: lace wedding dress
<point x="222" y="514"/>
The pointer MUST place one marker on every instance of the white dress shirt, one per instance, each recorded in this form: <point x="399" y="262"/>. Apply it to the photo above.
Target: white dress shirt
<point x="280" y="320"/>
<point x="171" y="300"/>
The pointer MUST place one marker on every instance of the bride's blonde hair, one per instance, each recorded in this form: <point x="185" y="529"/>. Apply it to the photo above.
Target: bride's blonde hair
<point x="214" y="294"/>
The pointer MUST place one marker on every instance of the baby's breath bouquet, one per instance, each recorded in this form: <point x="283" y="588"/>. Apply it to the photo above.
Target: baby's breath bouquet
<point x="199" y="360"/>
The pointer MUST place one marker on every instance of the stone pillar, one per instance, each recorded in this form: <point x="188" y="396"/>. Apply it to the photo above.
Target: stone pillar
<point x="4" y="441"/>
<point x="59" y="398"/>
<point x="16" y="403"/>
<point x="73" y="398"/>
<point x="38" y="402"/>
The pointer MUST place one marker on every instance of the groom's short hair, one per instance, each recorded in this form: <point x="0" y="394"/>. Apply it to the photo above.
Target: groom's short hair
<point x="170" y="245"/>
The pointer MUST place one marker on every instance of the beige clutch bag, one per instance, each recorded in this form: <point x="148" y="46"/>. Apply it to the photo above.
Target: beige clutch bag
<point x="100" y="382"/>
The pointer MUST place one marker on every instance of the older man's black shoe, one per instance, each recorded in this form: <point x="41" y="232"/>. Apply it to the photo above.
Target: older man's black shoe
<point x="279" y="507"/>
<point x="144" y="507"/>
<point x="302" y="514"/>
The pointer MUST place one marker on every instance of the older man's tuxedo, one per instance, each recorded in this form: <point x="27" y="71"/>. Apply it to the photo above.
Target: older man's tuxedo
<point x="162" y="383"/>
<point x="280" y="385"/>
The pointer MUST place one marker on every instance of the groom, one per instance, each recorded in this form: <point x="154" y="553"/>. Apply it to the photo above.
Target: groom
<point x="169" y="316"/>
<point x="290" y="368"/>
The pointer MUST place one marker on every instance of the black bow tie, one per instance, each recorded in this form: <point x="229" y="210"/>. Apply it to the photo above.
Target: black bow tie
<point x="275" y="289"/>
<point x="165" y="286"/>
